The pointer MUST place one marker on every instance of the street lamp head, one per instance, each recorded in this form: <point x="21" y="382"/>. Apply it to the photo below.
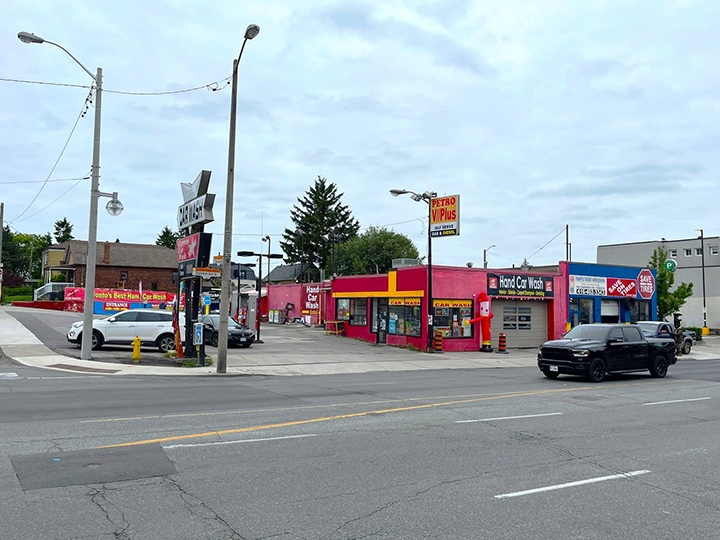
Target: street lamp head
<point x="27" y="37"/>
<point x="429" y="194"/>
<point x="252" y="31"/>
<point x="274" y="256"/>
<point x="266" y="238"/>
<point x="415" y="197"/>
<point x="114" y="207"/>
<point x="396" y="192"/>
<point x="246" y="254"/>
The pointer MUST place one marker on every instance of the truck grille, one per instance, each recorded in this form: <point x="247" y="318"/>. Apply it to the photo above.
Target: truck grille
<point x="556" y="353"/>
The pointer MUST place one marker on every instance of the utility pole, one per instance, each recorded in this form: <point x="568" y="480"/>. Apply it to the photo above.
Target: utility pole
<point x="2" y="232"/>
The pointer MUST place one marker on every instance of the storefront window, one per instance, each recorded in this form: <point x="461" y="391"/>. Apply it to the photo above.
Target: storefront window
<point x="405" y="321"/>
<point x="352" y="310"/>
<point x="641" y="311"/>
<point x="586" y="310"/>
<point x="449" y="317"/>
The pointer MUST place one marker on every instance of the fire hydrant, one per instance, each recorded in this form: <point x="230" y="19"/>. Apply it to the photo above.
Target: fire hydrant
<point x="136" y="343"/>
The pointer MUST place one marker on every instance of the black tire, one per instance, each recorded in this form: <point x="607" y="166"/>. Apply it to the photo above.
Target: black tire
<point x="166" y="342"/>
<point x="659" y="367"/>
<point x="597" y="370"/>
<point x="550" y="374"/>
<point x="687" y="347"/>
<point x="214" y="339"/>
<point x="97" y="340"/>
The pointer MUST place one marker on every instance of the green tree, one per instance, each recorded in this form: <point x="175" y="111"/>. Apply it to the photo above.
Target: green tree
<point x="63" y="231"/>
<point x="668" y="301"/>
<point x="371" y="252"/>
<point x="319" y="212"/>
<point x="31" y="248"/>
<point x="167" y="238"/>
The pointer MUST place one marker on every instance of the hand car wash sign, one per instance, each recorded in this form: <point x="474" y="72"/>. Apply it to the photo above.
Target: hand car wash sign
<point x="520" y="285"/>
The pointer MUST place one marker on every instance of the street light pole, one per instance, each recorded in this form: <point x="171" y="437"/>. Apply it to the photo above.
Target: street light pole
<point x="427" y="197"/>
<point x="258" y="286"/>
<point x="705" y="329"/>
<point x="250" y="32"/>
<point x="485" y="251"/>
<point x="89" y="303"/>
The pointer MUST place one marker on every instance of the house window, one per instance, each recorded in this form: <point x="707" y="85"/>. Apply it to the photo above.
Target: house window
<point x="154" y="286"/>
<point x="673" y="252"/>
<point x="713" y="250"/>
<point x="687" y="252"/>
<point x="698" y="252"/>
<point x="352" y="310"/>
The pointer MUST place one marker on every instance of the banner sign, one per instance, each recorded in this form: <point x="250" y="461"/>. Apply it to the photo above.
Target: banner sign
<point x="453" y="303"/>
<point x="404" y="301"/>
<point x="588" y="285"/>
<point x="520" y="285"/>
<point x="193" y="252"/>
<point x="445" y="216"/>
<point x="621" y="287"/>
<point x="108" y="301"/>
<point x="310" y="299"/>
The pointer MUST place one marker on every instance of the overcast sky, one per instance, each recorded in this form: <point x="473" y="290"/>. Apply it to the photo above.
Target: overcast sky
<point x="602" y="115"/>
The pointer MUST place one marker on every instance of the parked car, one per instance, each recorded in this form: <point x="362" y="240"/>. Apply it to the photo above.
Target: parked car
<point x="238" y="334"/>
<point x="150" y="325"/>
<point x="665" y="329"/>
<point x="594" y="350"/>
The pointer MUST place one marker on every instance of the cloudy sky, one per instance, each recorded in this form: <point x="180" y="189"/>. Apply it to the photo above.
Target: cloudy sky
<point x="602" y="115"/>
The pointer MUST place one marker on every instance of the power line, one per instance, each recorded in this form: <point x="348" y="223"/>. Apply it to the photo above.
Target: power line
<point x="88" y="99"/>
<point x="43" y="181"/>
<point x="57" y="199"/>
<point x="213" y="86"/>
<point x="539" y="250"/>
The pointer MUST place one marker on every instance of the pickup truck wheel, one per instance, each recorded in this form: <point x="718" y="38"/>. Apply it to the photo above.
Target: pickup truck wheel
<point x="550" y="374"/>
<point x="597" y="371"/>
<point x="687" y="346"/>
<point x="659" y="367"/>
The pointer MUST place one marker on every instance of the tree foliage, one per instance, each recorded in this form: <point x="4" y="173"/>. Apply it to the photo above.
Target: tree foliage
<point x="22" y="253"/>
<point x="167" y="238"/>
<point x="318" y="215"/>
<point x="63" y="231"/>
<point x="668" y="301"/>
<point x="371" y="252"/>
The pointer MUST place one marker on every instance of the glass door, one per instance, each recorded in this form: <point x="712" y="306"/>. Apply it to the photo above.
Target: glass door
<point x="380" y="318"/>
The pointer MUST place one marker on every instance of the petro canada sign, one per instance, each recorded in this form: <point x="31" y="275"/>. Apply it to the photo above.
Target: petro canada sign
<point x="646" y="284"/>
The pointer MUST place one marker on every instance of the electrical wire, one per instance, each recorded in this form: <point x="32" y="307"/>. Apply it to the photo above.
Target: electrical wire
<point x="544" y="246"/>
<point x="85" y="106"/>
<point x="213" y="86"/>
<point x="48" y="181"/>
<point x="57" y="199"/>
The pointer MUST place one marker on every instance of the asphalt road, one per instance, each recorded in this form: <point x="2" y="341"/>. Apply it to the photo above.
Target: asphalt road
<point x="484" y="453"/>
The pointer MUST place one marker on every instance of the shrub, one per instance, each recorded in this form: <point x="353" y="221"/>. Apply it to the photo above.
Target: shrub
<point x="698" y="331"/>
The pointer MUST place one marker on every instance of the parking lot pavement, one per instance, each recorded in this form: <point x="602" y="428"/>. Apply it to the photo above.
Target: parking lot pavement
<point x="36" y="337"/>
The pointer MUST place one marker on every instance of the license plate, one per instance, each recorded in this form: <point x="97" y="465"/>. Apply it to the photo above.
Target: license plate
<point x="553" y="368"/>
<point x="242" y="339"/>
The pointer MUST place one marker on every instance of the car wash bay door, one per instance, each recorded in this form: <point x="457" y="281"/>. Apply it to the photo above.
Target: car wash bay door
<point x="524" y="322"/>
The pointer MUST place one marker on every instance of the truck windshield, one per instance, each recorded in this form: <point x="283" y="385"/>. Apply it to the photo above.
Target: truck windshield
<point x="648" y="327"/>
<point x="594" y="333"/>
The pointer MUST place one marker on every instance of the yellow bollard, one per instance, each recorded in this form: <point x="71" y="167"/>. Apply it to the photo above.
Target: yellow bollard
<point x="136" y="343"/>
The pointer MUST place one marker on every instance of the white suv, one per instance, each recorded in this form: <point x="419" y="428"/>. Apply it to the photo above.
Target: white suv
<point x="150" y="325"/>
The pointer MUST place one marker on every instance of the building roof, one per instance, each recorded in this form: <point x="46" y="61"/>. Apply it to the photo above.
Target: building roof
<point x="120" y="254"/>
<point x="289" y="272"/>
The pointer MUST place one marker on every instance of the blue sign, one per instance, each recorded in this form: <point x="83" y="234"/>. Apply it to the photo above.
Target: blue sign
<point x="205" y="299"/>
<point x="198" y="334"/>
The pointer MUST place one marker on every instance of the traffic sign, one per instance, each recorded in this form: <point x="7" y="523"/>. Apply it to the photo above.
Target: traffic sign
<point x="197" y="334"/>
<point x="670" y="265"/>
<point x="646" y="284"/>
<point x="205" y="299"/>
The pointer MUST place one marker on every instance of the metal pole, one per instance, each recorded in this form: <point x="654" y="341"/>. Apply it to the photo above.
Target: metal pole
<point x="227" y="245"/>
<point x="702" y="246"/>
<point x="258" y="305"/>
<point x="2" y="228"/>
<point x="89" y="304"/>
<point x="430" y="293"/>
<point x="484" y="258"/>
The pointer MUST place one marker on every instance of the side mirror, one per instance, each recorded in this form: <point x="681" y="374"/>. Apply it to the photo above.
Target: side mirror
<point x="113" y="319"/>
<point x="615" y="340"/>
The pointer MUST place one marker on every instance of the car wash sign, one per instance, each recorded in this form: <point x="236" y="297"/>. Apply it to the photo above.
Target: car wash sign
<point x="198" y="205"/>
<point x="445" y="216"/>
<point x="520" y="286"/>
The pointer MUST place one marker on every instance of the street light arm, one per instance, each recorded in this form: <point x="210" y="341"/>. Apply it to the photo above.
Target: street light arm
<point x="78" y="62"/>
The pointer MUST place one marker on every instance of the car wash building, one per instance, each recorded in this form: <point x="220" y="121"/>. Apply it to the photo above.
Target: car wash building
<point x="601" y="293"/>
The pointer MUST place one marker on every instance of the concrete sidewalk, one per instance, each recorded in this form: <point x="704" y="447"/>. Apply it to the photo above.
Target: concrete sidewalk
<point x="285" y="351"/>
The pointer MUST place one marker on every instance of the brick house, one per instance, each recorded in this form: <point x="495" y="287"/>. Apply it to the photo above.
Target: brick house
<point x="118" y="265"/>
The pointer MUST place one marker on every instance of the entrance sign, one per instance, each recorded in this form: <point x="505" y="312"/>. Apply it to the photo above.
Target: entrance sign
<point x="646" y="284"/>
<point x="445" y="216"/>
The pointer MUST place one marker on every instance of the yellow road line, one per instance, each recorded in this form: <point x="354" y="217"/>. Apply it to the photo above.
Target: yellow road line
<point x="340" y="417"/>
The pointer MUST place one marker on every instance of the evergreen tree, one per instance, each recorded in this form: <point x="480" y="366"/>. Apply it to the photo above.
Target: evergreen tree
<point x="370" y="253"/>
<point x="319" y="212"/>
<point x="167" y="238"/>
<point x="668" y="301"/>
<point x="63" y="231"/>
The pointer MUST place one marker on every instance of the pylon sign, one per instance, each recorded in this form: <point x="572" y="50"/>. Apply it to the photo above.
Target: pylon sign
<point x="445" y="216"/>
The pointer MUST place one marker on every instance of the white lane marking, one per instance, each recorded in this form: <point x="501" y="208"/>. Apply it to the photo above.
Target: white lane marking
<point x="677" y="401"/>
<point x="507" y="418"/>
<point x="240" y="441"/>
<point x="572" y="484"/>
<point x="65" y="377"/>
<point x="9" y="375"/>
<point x="367" y="383"/>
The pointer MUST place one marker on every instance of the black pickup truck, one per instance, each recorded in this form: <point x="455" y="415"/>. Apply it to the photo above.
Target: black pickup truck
<point x="594" y="350"/>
